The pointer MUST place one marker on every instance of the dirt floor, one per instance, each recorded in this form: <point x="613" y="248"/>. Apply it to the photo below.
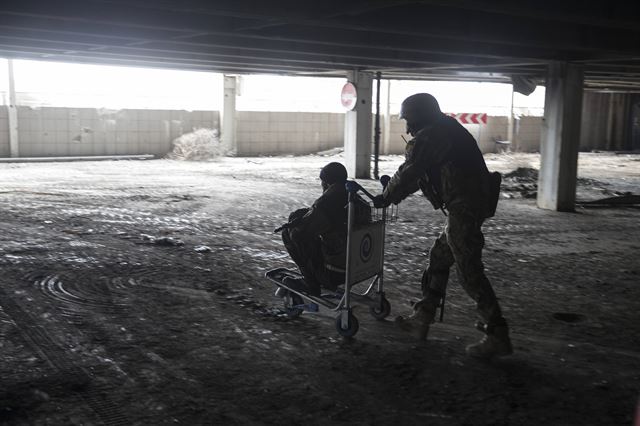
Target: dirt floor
<point x="133" y="292"/>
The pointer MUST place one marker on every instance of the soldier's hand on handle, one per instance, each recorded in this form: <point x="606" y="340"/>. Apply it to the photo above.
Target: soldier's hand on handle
<point x="380" y="202"/>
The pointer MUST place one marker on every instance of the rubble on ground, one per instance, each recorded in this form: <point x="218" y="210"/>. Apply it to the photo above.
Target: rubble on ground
<point x="520" y="183"/>
<point x="523" y="183"/>
<point x="161" y="241"/>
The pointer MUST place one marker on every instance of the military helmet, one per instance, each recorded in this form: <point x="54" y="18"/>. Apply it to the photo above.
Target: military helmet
<point x="419" y="108"/>
<point x="333" y="173"/>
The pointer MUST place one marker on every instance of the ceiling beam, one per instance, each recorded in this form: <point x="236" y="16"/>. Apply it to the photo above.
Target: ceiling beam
<point x="352" y="56"/>
<point x="488" y="39"/>
<point x="442" y="24"/>
<point x="592" y="13"/>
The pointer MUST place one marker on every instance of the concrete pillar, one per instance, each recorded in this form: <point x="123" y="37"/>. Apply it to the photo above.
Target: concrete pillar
<point x="560" y="139"/>
<point x="634" y="116"/>
<point x="228" y="122"/>
<point x="386" y="124"/>
<point x="357" y="128"/>
<point x="510" y="121"/>
<point x="14" y="150"/>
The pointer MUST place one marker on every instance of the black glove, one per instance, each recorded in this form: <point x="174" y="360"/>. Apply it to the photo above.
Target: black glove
<point x="294" y="219"/>
<point x="298" y="214"/>
<point x="281" y="228"/>
<point x="379" y="202"/>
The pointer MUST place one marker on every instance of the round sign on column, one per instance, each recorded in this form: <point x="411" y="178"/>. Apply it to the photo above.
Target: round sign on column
<point x="349" y="96"/>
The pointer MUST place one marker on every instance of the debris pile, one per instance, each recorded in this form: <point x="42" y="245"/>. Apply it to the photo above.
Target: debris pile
<point x="522" y="182"/>
<point x="523" y="174"/>
<point x="161" y="241"/>
<point x="201" y="144"/>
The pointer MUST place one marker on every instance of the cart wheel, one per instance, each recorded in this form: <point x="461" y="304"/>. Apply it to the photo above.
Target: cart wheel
<point x="290" y="301"/>
<point x="383" y="311"/>
<point x="351" y="330"/>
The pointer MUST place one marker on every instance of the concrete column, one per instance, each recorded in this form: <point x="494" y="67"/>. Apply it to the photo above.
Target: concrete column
<point x="560" y="139"/>
<point x="14" y="150"/>
<point x="357" y="128"/>
<point x="228" y="122"/>
<point x="510" y="120"/>
<point x="386" y="124"/>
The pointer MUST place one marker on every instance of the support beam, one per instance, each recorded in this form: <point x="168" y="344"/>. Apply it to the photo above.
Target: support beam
<point x="357" y="128"/>
<point x="560" y="138"/>
<point x="14" y="146"/>
<point x="510" y="122"/>
<point x="228" y="123"/>
<point x="376" y="130"/>
<point x="386" y="126"/>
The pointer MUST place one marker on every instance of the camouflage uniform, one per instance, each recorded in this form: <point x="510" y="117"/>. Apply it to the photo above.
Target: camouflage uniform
<point x="445" y="162"/>
<point x="317" y="241"/>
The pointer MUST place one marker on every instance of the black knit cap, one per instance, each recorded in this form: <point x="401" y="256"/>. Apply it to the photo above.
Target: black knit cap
<point x="333" y="173"/>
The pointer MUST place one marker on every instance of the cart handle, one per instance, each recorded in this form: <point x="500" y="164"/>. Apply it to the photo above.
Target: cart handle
<point x="353" y="186"/>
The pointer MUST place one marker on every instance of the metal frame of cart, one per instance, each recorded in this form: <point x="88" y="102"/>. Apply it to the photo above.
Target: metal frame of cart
<point x="364" y="262"/>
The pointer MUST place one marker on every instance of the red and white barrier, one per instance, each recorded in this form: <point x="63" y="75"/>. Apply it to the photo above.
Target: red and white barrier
<point x="470" y="117"/>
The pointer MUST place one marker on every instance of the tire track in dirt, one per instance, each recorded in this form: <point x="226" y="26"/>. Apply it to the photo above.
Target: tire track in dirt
<point x="90" y="295"/>
<point x="96" y="397"/>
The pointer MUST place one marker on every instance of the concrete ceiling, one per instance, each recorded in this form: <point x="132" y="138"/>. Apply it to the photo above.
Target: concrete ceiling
<point x="429" y="39"/>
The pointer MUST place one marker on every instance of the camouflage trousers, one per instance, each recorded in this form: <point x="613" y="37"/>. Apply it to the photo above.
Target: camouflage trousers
<point x="461" y="244"/>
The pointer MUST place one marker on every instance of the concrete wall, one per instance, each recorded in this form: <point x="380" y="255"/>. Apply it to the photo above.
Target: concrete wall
<point x="50" y="131"/>
<point x="527" y="134"/>
<point x="271" y="133"/>
<point x="45" y="132"/>
<point x="605" y="121"/>
<point x="485" y="134"/>
<point x="397" y="131"/>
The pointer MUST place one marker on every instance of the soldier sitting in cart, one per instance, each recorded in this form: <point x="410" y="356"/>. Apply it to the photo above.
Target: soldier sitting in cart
<point x="316" y="237"/>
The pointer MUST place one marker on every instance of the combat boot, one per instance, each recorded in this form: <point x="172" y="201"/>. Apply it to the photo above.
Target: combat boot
<point x="495" y="343"/>
<point x="302" y="285"/>
<point x="418" y="323"/>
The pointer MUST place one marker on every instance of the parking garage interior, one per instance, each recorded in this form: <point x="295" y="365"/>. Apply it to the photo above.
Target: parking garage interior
<point x="133" y="289"/>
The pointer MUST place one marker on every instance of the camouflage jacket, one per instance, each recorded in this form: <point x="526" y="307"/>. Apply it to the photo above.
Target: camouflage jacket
<point x="445" y="162"/>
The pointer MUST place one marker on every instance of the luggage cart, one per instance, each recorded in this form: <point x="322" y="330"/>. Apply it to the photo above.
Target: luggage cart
<point x="364" y="262"/>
